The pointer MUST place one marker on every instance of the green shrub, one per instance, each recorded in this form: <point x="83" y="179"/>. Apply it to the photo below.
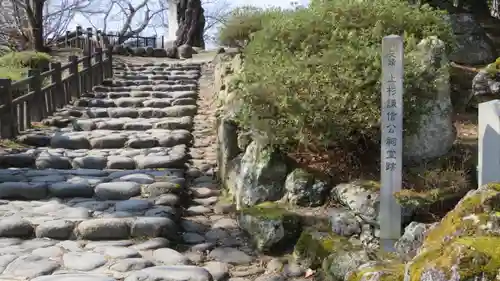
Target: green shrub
<point x="25" y="59"/>
<point x="242" y="23"/>
<point x="312" y="76"/>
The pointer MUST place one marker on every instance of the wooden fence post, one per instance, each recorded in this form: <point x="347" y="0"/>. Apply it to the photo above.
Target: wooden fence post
<point x="75" y="81"/>
<point x="67" y="43"/>
<point x="162" y="41"/>
<point x="100" y="66"/>
<point x="8" y="119"/>
<point x="89" y="42"/>
<point x="77" y="37"/>
<point x="87" y="77"/>
<point x="38" y="106"/>
<point x="109" y="63"/>
<point x="59" y="95"/>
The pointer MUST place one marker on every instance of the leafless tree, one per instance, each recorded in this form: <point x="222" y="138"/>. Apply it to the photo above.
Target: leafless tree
<point x="216" y="13"/>
<point x="134" y="18"/>
<point x="28" y="23"/>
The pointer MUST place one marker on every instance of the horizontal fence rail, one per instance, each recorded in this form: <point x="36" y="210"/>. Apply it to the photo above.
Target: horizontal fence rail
<point x="42" y="93"/>
<point x="90" y="39"/>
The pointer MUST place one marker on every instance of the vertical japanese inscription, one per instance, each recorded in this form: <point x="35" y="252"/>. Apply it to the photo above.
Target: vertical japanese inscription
<point x="392" y="138"/>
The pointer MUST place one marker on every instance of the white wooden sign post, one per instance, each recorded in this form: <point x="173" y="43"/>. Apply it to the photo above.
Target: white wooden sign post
<point x="391" y="140"/>
<point x="488" y="142"/>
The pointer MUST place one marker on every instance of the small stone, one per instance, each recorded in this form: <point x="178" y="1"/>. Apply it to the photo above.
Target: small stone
<point x="132" y="264"/>
<point x="15" y="227"/>
<point x="272" y="277"/>
<point x="152" y="244"/>
<point x="192" y="238"/>
<point x="74" y="277"/>
<point x="171" y="273"/>
<point x="119" y="252"/>
<point x="138" y="178"/>
<point x="168" y="256"/>
<point x="58" y="229"/>
<point x="119" y="190"/>
<point x="31" y="266"/>
<point x="90" y="162"/>
<point x="224" y="208"/>
<point x="218" y="270"/>
<point x="23" y="190"/>
<point x="154" y="227"/>
<point x="102" y="229"/>
<point x="167" y="200"/>
<point x="133" y="205"/>
<point x="160" y="188"/>
<point x="274" y="266"/>
<point x="83" y="261"/>
<point x="68" y="189"/>
<point x="198" y="210"/>
<point x="230" y="255"/>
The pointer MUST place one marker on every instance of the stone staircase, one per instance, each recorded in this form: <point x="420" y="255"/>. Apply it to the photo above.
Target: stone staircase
<point x="115" y="187"/>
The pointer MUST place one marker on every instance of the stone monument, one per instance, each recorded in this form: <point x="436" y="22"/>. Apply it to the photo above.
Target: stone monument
<point x="173" y="23"/>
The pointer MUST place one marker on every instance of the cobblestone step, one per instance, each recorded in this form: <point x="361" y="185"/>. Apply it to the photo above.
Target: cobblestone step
<point x="156" y="67"/>
<point x="156" y="72"/>
<point x="170" y="77"/>
<point x="133" y="102"/>
<point x="126" y="158"/>
<point x="108" y="193"/>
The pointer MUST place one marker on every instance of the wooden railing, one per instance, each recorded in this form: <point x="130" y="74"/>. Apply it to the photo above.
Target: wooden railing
<point x="91" y="39"/>
<point x="40" y="94"/>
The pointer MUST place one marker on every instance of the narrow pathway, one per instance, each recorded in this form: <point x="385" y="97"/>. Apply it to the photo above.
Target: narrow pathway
<point x="120" y="185"/>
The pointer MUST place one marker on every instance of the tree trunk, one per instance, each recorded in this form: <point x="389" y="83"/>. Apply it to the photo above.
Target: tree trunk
<point x="191" y="23"/>
<point x="35" y="17"/>
<point x="495" y="9"/>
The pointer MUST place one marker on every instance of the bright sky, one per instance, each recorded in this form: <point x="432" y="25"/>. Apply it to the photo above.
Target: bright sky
<point x="114" y="25"/>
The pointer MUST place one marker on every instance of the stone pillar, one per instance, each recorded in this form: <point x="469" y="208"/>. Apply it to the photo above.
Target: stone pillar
<point x="173" y="23"/>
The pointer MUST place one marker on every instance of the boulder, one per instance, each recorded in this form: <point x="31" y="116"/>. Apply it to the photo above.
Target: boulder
<point x="434" y="133"/>
<point x="314" y="246"/>
<point x="172" y="53"/>
<point x="474" y="47"/>
<point x="140" y="52"/>
<point x="413" y="237"/>
<point x="159" y="53"/>
<point x="465" y="243"/>
<point x="303" y="189"/>
<point x="185" y="51"/>
<point x="260" y="177"/>
<point x="363" y="199"/>
<point x="270" y="225"/>
<point x="486" y="84"/>
<point x="149" y="51"/>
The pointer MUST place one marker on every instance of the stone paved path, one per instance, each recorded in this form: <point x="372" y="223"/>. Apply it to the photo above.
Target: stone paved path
<point x="120" y="186"/>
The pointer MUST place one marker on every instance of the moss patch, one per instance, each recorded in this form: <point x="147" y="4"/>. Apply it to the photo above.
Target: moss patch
<point x="386" y="271"/>
<point x="465" y="239"/>
<point x="267" y="210"/>
<point x="314" y="246"/>
<point x="471" y="256"/>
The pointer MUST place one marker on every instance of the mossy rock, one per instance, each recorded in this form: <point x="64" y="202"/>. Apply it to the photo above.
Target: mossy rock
<point x="467" y="240"/>
<point x="379" y="271"/>
<point x="270" y="225"/>
<point x="466" y="258"/>
<point x="314" y="246"/>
